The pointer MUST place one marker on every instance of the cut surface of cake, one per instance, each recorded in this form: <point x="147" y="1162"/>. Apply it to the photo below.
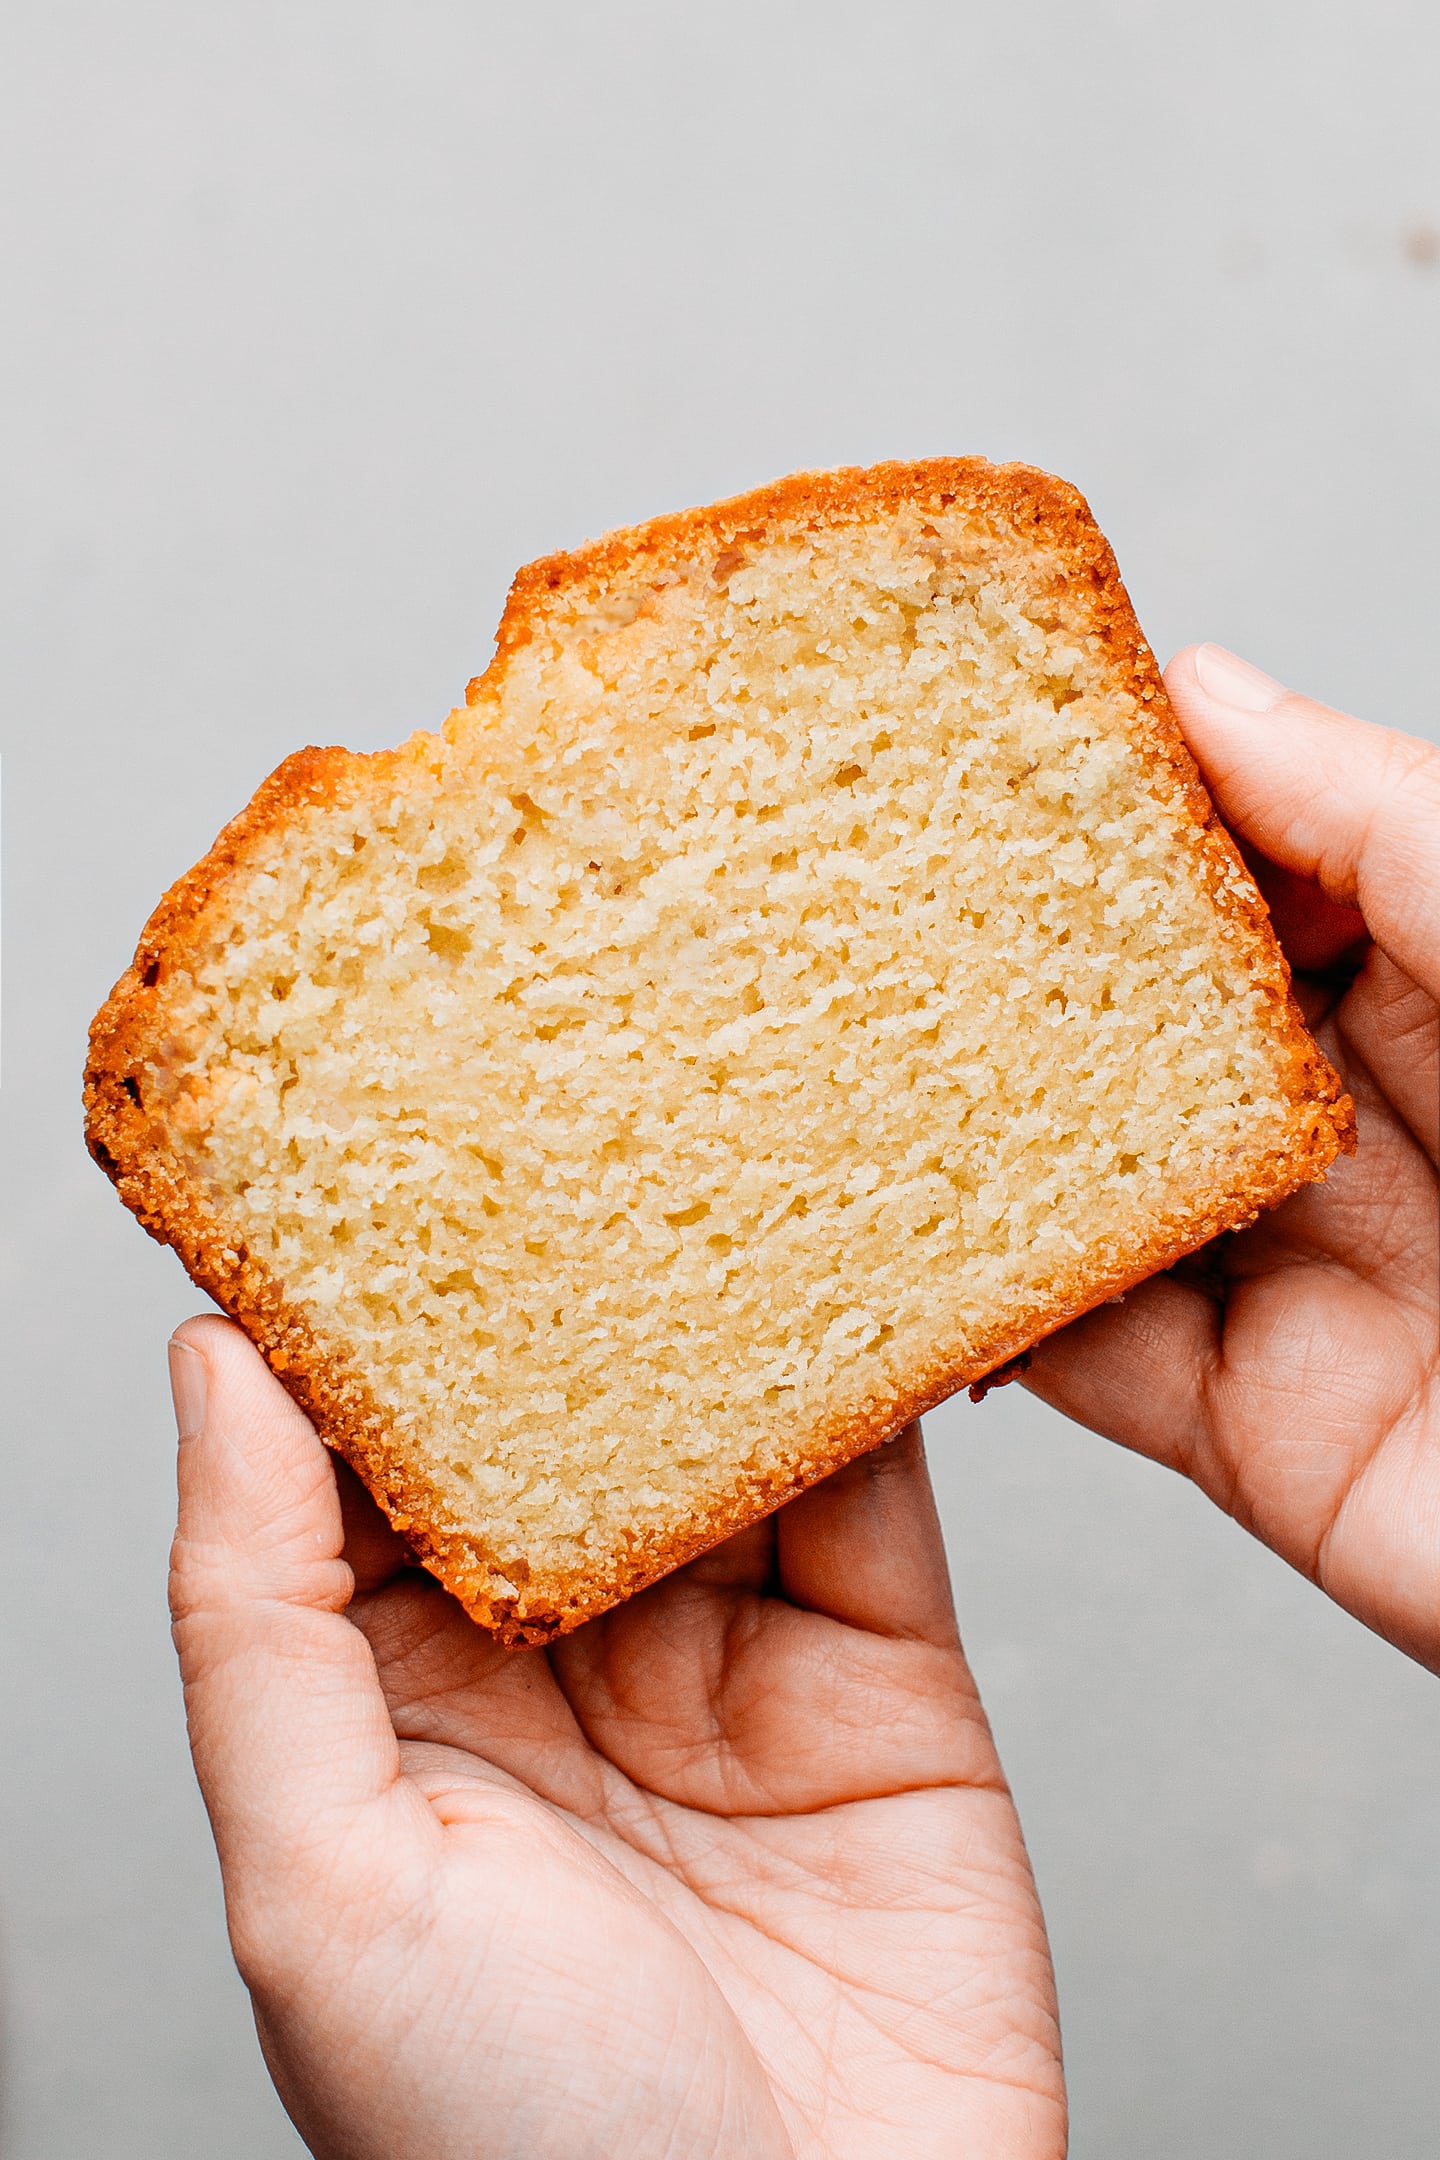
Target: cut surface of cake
<point x="805" y="971"/>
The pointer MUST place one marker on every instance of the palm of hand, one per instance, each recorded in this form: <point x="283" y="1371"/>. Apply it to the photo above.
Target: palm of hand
<point x="732" y="1870"/>
<point x="1293" y="1370"/>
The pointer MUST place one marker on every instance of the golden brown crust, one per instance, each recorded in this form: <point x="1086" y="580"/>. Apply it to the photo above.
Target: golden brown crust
<point x="1017" y="496"/>
<point x="140" y="1156"/>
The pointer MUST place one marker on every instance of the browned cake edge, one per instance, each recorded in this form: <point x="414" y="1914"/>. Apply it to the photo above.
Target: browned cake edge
<point x="132" y="1146"/>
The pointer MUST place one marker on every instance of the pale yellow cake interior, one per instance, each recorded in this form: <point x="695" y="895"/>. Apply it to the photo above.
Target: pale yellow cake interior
<point x="780" y="978"/>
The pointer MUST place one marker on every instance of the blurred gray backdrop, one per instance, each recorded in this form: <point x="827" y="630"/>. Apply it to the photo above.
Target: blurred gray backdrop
<point x="321" y="318"/>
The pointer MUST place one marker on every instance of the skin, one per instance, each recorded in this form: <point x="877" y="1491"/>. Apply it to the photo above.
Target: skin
<point x="734" y="1870"/>
<point x="1293" y="1370"/>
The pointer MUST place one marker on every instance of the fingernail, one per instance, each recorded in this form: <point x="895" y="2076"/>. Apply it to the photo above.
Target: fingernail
<point x="187" y="1388"/>
<point x="1232" y="681"/>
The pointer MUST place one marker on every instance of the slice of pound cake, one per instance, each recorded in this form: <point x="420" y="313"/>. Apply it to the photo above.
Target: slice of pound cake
<point x="805" y="971"/>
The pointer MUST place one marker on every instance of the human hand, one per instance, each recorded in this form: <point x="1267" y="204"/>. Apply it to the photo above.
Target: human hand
<point x="730" y="1871"/>
<point x="1293" y="1369"/>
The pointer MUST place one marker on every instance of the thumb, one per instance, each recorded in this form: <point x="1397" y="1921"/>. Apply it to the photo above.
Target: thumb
<point x="1354" y="807"/>
<point x="288" y="1724"/>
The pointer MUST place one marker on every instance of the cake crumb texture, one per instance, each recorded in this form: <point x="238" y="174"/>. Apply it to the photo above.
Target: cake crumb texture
<point x="804" y="972"/>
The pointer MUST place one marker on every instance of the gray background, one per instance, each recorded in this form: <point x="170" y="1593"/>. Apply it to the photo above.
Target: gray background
<point x="323" y="317"/>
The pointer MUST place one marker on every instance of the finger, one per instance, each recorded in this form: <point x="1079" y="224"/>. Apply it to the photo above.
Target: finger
<point x="374" y="1552"/>
<point x="448" y="1683"/>
<point x="1353" y="807"/>
<point x="745" y="1561"/>
<point x="1136" y="1371"/>
<point x="865" y="1546"/>
<point x="1320" y="936"/>
<point x="738" y="1702"/>
<point x="287" y="1721"/>
<point x="1394" y="1026"/>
